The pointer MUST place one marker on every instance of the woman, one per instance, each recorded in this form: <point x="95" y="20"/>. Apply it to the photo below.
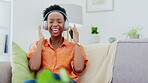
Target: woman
<point x="56" y="52"/>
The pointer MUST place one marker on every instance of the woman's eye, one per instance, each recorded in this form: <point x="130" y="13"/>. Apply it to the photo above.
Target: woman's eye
<point x="59" y="22"/>
<point x="51" y="22"/>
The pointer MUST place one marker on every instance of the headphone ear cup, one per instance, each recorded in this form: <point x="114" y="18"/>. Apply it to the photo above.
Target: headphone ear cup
<point x="45" y="25"/>
<point x="66" y="26"/>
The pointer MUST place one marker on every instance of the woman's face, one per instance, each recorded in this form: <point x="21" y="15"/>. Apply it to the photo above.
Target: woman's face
<point x="55" y="23"/>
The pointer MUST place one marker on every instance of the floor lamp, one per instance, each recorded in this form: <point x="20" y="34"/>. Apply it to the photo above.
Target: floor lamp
<point x="74" y="13"/>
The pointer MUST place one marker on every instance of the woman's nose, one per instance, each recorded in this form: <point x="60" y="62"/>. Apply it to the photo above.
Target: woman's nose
<point x="55" y="24"/>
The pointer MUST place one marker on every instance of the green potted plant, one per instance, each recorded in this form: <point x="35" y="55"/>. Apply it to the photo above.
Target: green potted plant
<point x="94" y="35"/>
<point x="94" y="30"/>
<point x="133" y="33"/>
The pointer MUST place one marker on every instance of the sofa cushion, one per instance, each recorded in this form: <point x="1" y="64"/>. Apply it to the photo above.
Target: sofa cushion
<point x="20" y="68"/>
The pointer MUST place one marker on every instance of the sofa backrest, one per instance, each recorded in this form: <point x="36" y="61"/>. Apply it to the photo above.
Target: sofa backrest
<point x="131" y="61"/>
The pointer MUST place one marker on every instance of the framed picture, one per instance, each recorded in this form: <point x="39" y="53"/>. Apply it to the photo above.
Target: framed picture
<point x="99" y="5"/>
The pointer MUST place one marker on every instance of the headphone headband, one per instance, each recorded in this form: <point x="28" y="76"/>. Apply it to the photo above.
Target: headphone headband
<point x="55" y="11"/>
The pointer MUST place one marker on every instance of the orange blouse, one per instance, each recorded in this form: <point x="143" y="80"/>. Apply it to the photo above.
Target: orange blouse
<point x="62" y="57"/>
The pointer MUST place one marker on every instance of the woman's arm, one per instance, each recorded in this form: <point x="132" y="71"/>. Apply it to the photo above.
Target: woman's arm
<point x="35" y="60"/>
<point x="78" y="58"/>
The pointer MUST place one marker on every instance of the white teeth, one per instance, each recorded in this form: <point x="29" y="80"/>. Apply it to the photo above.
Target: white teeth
<point x="55" y="29"/>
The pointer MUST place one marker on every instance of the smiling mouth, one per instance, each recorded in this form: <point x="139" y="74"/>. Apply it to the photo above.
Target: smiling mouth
<point x="55" y="30"/>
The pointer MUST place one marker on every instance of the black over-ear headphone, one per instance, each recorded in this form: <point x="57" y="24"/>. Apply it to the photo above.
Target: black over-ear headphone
<point x="66" y="25"/>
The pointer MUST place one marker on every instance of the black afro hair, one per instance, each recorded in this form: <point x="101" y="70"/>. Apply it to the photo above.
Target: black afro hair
<point x="52" y="8"/>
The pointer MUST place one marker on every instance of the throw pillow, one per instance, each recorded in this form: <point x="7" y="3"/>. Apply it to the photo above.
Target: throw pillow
<point x="20" y="68"/>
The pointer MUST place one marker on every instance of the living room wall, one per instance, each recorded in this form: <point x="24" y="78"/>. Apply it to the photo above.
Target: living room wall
<point x="126" y="13"/>
<point x="27" y="15"/>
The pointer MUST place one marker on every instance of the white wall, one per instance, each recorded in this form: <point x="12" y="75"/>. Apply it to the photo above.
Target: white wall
<point x="28" y="14"/>
<point x="5" y="14"/>
<point x="126" y="13"/>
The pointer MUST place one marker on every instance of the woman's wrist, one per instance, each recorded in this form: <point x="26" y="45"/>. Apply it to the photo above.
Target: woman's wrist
<point x="41" y="40"/>
<point x="77" y="44"/>
<point x="76" y="41"/>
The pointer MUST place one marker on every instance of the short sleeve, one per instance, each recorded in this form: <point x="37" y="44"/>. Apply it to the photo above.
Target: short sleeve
<point x="32" y="49"/>
<point x="85" y="60"/>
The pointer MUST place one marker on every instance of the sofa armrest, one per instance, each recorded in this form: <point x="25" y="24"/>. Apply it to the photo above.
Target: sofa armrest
<point x="131" y="61"/>
<point x="5" y="72"/>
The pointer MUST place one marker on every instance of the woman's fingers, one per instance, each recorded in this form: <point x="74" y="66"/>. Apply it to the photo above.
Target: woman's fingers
<point x="39" y="27"/>
<point x="40" y="32"/>
<point x="75" y="34"/>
